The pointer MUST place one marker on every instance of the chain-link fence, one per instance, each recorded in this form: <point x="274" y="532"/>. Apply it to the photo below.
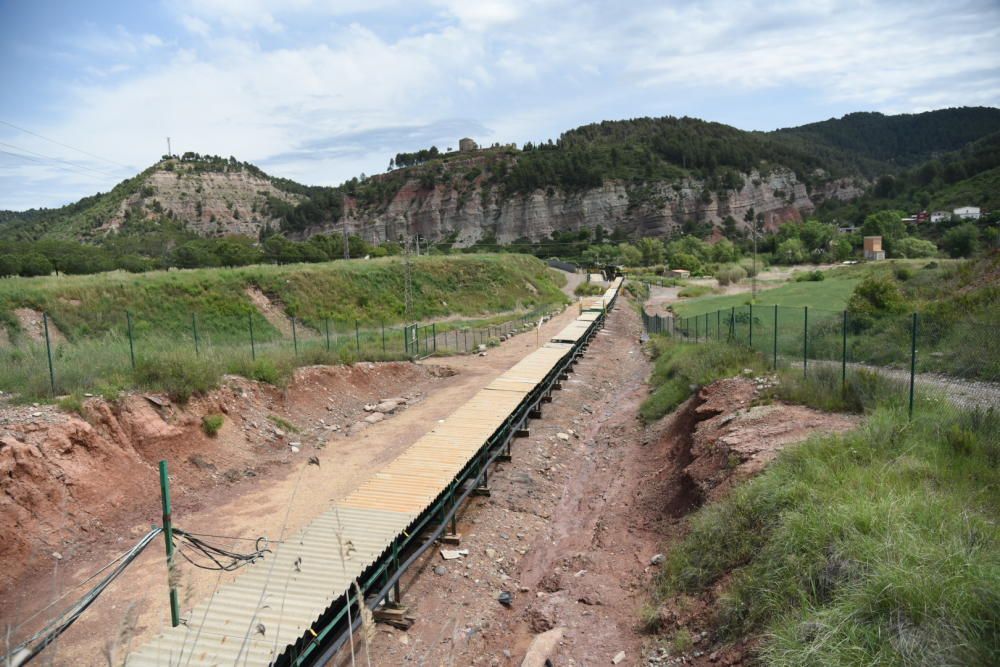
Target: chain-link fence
<point x="929" y="356"/>
<point x="124" y="351"/>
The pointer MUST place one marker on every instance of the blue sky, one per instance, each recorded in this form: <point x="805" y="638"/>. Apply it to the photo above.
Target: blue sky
<point x="323" y="91"/>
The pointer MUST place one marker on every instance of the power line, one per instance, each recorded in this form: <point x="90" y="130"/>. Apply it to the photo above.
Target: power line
<point x="55" y="159"/>
<point x="59" y="143"/>
<point x="42" y="162"/>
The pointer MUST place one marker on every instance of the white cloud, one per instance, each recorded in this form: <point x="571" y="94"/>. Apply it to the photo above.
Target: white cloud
<point x="265" y="80"/>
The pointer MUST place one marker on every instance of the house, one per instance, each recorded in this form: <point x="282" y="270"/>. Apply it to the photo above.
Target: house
<point x="922" y="217"/>
<point x="940" y="216"/>
<point x="967" y="213"/>
<point x="679" y="273"/>
<point x="466" y="144"/>
<point x="873" y="248"/>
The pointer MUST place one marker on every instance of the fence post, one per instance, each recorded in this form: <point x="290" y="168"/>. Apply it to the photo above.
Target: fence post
<point x="326" y="325"/>
<point x="843" y="355"/>
<point x="732" y="323"/>
<point x="194" y="330"/>
<point x="131" y="342"/>
<point x="168" y="530"/>
<point x="913" y="360"/>
<point x="750" y="326"/>
<point x="295" y="338"/>
<point x="775" y="336"/>
<point x="357" y="338"/>
<point x="696" y="328"/>
<point x="253" y="347"/>
<point x="383" y="338"/>
<point x="706" y="327"/>
<point x="434" y="335"/>
<point x="718" y="324"/>
<point x="48" y="352"/>
<point x="805" y="338"/>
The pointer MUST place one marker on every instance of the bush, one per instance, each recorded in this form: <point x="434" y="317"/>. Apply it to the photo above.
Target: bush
<point x="961" y="241"/>
<point x="179" y="374"/>
<point x="731" y="273"/>
<point x="875" y="296"/>
<point x="912" y="247"/>
<point x="211" y="424"/>
<point x="810" y="277"/>
<point x="588" y="289"/>
<point x="693" y="291"/>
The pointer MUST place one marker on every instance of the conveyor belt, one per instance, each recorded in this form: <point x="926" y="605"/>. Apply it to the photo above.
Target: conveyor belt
<point x="287" y="607"/>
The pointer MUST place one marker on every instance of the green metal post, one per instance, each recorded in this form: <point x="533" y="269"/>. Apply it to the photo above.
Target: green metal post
<point x="131" y="342"/>
<point x="326" y="323"/>
<point x="194" y="331"/>
<point x="383" y="338"/>
<point x="253" y="347"/>
<point x="357" y="338"/>
<point x="750" y="326"/>
<point x="295" y="338"/>
<point x="434" y="336"/>
<point x="775" y="363"/>
<point x="718" y="324"/>
<point x="805" y="338"/>
<point x="696" y="329"/>
<point x="843" y="354"/>
<point x="732" y="323"/>
<point x="48" y="352"/>
<point x="168" y="533"/>
<point x="913" y="360"/>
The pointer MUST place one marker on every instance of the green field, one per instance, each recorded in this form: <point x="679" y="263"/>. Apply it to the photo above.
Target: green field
<point x="829" y="294"/>
<point x="188" y="328"/>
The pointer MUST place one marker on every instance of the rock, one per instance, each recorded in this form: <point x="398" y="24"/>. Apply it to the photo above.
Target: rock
<point x="481" y="348"/>
<point x="278" y="432"/>
<point x="491" y="553"/>
<point x="657" y="559"/>
<point x="563" y="436"/>
<point x="374" y="418"/>
<point x="618" y="657"/>
<point x="440" y="570"/>
<point x="387" y="407"/>
<point x="542" y="647"/>
<point x="57" y="555"/>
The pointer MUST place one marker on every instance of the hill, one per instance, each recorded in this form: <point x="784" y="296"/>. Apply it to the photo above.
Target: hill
<point x="638" y="177"/>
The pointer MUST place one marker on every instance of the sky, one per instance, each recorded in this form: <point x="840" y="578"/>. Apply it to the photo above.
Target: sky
<point x="322" y="91"/>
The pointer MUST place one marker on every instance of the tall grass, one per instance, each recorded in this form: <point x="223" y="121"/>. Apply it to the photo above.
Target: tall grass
<point x="879" y="546"/>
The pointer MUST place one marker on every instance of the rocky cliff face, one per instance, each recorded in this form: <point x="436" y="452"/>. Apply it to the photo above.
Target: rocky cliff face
<point x="474" y="211"/>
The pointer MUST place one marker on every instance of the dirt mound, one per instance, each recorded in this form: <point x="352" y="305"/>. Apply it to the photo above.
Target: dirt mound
<point x="734" y="438"/>
<point x="273" y="312"/>
<point x="66" y="480"/>
<point x="32" y="325"/>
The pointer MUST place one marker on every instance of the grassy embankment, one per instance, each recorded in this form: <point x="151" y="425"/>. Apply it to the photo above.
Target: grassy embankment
<point x="90" y="312"/>
<point x="876" y="547"/>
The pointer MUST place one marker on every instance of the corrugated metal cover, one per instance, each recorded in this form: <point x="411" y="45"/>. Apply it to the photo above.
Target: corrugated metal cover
<point x="285" y="593"/>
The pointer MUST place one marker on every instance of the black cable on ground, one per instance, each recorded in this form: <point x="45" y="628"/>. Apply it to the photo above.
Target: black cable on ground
<point x="27" y="650"/>
<point x="192" y="546"/>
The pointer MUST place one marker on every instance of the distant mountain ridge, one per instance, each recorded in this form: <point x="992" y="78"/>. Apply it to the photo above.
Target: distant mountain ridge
<point x="644" y="176"/>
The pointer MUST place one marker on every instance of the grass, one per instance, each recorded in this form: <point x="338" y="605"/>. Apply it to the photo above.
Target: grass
<point x="283" y="424"/>
<point x="211" y="424"/>
<point x="679" y="369"/>
<point x="343" y="292"/>
<point x="879" y="546"/>
<point x="97" y="358"/>
<point x="588" y="289"/>
<point x="829" y="294"/>
<point x="695" y="291"/>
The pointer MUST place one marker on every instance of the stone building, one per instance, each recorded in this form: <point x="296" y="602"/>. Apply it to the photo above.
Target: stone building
<point x="466" y="144"/>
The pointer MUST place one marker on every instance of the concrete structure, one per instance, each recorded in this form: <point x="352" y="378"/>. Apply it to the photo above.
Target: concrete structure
<point x="873" y="248"/>
<point x="940" y="216"/>
<point x="679" y="273"/>
<point x="967" y="213"/>
<point x="466" y="144"/>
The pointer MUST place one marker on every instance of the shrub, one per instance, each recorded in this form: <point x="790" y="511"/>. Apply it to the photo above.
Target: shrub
<point x="588" y="289"/>
<point x="692" y="291"/>
<point x="810" y="276"/>
<point x="875" y="296"/>
<point x="211" y="424"/>
<point x="912" y="247"/>
<point x="730" y="273"/>
<point x="179" y="374"/>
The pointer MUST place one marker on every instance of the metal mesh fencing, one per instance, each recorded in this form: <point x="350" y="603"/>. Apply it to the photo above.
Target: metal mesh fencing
<point x="925" y="357"/>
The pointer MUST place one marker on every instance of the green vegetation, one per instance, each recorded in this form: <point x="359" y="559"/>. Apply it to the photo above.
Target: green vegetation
<point x="283" y="424"/>
<point x="876" y="547"/>
<point x="588" y="289"/>
<point x="211" y="424"/>
<point x="679" y="368"/>
<point x="339" y="310"/>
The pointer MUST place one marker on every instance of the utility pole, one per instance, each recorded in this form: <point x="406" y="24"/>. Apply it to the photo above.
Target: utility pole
<point x="409" y="280"/>
<point x="347" y="244"/>
<point x="418" y="245"/>
<point x="169" y="153"/>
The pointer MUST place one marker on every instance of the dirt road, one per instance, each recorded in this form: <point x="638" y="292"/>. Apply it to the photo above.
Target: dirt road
<point x="135" y="607"/>
<point x="570" y="529"/>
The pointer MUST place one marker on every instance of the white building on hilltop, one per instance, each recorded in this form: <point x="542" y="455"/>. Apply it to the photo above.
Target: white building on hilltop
<point x="967" y="213"/>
